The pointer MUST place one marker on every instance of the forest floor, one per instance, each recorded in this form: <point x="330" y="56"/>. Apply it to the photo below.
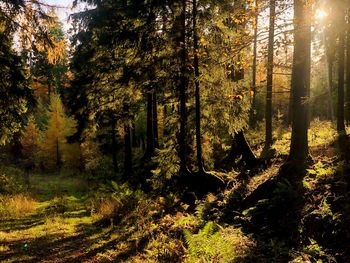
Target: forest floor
<point x="54" y="224"/>
<point x="64" y="218"/>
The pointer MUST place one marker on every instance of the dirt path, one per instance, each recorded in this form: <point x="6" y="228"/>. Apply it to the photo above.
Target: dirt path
<point x="59" y="229"/>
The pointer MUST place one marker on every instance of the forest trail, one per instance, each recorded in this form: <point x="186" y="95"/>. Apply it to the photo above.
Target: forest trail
<point x="60" y="228"/>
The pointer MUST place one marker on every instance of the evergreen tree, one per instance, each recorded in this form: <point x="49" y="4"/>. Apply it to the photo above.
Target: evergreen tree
<point x="54" y="146"/>
<point x="30" y="140"/>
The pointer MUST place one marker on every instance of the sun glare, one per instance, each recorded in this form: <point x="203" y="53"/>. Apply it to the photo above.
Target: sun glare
<point x="320" y="14"/>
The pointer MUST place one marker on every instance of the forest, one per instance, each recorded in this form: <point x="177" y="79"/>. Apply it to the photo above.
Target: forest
<point x="175" y="131"/>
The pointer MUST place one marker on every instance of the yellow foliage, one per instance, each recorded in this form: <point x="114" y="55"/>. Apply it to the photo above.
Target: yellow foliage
<point x="54" y="147"/>
<point x="30" y="141"/>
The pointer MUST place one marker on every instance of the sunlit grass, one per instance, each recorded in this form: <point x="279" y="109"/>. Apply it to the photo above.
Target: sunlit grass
<point x="18" y="205"/>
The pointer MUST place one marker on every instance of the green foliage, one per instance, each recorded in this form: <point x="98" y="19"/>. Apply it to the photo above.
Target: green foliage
<point x="216" y="244"/>
<point x="321" y="169"/>
<point x="11" y="180"/>
<point x="167" y="164"/>
<point x="16" y="96"/>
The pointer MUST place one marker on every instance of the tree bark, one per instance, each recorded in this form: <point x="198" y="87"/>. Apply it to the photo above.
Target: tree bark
<point x="182" y="93"/>
<point x="255" y="47"/>
<point x="299" y="150"/>
<point x="347" y="102"/>
<point x="155" y="120"/>
<point x="149" y="133"/>
<point x="340" y="101"/>
<point x="127" y="152"/>
<point x="330" y="89"/>
<point x="114" y="145"/>
<point x="269" y="77"/>
<point x="197" y="90"/>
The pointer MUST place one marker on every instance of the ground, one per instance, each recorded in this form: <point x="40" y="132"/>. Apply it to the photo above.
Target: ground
<point x="68" y="218"/>
<point x="60" y="228"/>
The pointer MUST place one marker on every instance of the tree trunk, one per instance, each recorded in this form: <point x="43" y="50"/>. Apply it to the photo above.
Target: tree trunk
<point x="114" y="145"/>
<point x="155" y="120"/>
<point x="239" y="148"/>
<point x="269" y="77"/>
<point x="330" y="89"/>
<point x="299" y="150"/>
<point x="182" y="93"/>
<point x="255" y="45"/>
<point x="127" y="152"/>
<point x="197" y="90"/>
<point x="347" y="102"/>
<point x="340" y="101"/>
<point x="149" y="136"/>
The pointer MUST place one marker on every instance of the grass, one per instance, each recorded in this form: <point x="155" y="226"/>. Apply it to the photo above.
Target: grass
<point x="18" y="205"/>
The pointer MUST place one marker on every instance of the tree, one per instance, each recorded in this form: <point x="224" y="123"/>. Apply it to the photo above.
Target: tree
<point x="269" y="77"/>
<point x="300" y="81"/>
<point x="49" y="67"/>
<point x="347" y="95"/>
<point x="16" y="97"/>
<point x="341" y="68"/>
<point x="181" y="44"/>
<point x="54" y="144"/>
<point x="30" y="141"/>
<point x="254" y="66"/>
<point x="197" y="89"/>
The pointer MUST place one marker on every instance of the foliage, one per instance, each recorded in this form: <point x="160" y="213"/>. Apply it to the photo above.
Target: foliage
<point x="15" y="94"/>
<point x="215" y="244"/>
<point x="11" y="180"/>
<point x="54" y="147"/>
<point x="30" y="142"/>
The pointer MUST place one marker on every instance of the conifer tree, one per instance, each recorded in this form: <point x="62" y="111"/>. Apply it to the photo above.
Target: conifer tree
<point x="30" y="140"/>
<point x="54" y="144"/>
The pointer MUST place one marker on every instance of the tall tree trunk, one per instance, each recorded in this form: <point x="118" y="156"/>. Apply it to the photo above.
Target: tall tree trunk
<point x="127" y="152"/>
<point x="149" y="133"/>
<point x="299" y="151"/>
<point x="114" y="145"/>
<point x="269" y="77"/>
<point x="330" y="88"/>
<point x="197" y="90"/>
<point x="255" y="48"/>
<point x="155" y="120"/>
<point x="182" y="93"/>
<point x="340" y="101"/>
<point x="347" y="102"/>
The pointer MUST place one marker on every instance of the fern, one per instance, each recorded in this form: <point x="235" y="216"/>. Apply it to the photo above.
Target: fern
<point x="215" y="244"/>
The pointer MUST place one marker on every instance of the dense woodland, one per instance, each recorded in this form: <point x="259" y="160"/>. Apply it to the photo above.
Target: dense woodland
<point x="175" y="131"/>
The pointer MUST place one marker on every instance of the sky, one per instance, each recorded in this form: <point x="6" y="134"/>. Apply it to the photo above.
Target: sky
<point x="63" y="11"/>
